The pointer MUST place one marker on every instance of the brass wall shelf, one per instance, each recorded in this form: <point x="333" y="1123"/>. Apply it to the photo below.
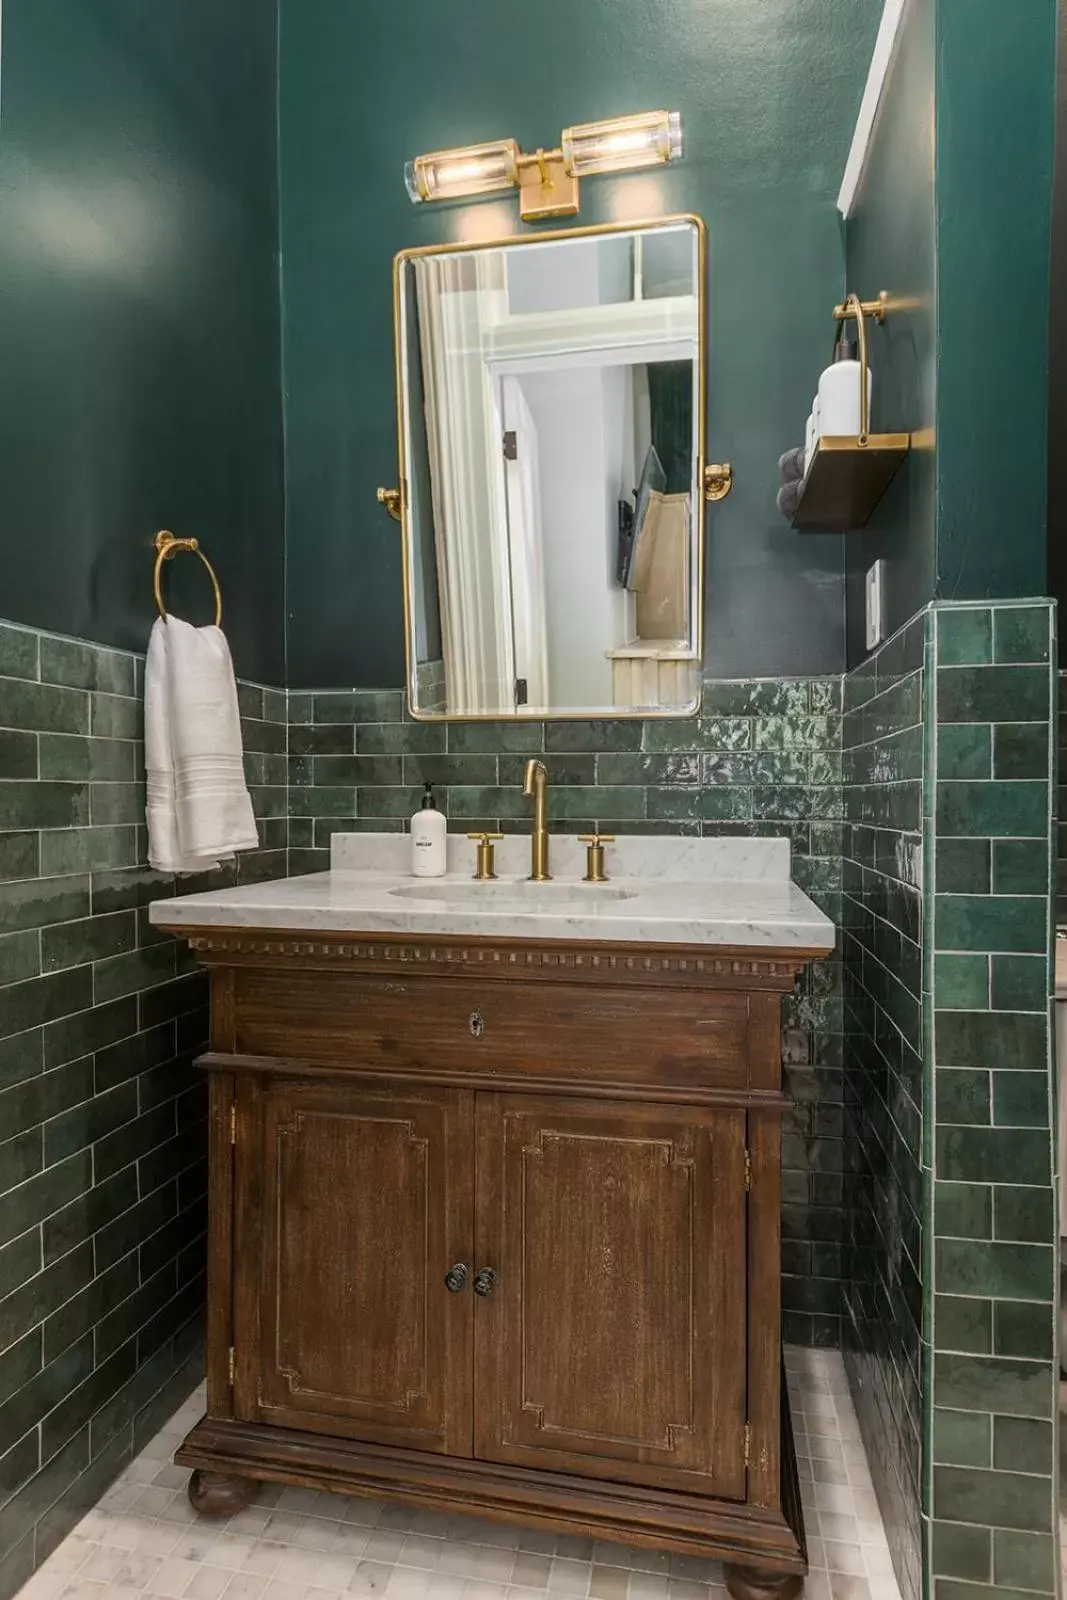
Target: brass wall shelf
<point x="848" y="474"/>
<point x="846" y="479"/>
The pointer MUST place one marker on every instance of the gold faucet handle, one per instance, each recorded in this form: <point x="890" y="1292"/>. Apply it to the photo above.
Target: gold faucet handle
<point x="594" y="856"/>
<point x="486" y="866"/>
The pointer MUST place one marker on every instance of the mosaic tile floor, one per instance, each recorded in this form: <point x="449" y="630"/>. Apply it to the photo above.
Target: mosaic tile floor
<point x="144" y="1540"/>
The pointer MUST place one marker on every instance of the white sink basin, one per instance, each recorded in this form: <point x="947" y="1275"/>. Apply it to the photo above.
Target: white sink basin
<point x="521" y="894"/>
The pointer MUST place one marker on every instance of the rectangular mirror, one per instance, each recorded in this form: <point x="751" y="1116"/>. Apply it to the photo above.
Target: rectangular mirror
<point x="551" y="417"/>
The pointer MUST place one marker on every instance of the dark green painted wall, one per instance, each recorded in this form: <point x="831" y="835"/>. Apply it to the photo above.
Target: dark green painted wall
<point x="995" y="137"/>
<point x="139" y="321"/>
<point x="961" y="240"/>
<point x="890" y="245"/>
<point x="1057" y="414"/>
<point x="768" y="93"/>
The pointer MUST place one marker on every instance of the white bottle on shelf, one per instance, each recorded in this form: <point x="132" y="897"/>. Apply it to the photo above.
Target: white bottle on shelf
<point x="840" y="387"/>
<point x="429" y="853"/>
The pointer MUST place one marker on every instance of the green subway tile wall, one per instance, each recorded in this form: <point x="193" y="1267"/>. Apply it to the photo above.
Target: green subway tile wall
<point x="949" y="1328"/>
<point x="1061" y="806"/>
<point x="102" y="1120"/>
<point x="993" y="1236"/>
<point x="763" y="758"/>
<point x="881" y="933"/>
<point x="918" y="1214"/>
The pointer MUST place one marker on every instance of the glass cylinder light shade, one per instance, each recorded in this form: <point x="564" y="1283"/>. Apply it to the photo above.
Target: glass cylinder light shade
<point x="645" y="140"/>
<point x="471" y="170"/>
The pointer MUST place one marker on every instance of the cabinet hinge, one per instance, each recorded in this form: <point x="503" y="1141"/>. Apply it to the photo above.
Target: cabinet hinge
<point x="748" y="1441"/>
<point x="748" y="1170"/>
<point x="232" y="1366"/>
<point x="233" y="1124"/>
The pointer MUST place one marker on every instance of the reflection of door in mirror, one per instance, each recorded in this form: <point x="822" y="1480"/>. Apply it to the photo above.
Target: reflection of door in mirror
<point x="551" y="414"/>
<point x="456" y="295"/>
<point x="526" y="546"/>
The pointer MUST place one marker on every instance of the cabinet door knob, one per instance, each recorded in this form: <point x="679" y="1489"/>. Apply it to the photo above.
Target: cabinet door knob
<point x="476" y="1024"/>
<point x="484" y="1281"/>
<point x="456" y="1277"/>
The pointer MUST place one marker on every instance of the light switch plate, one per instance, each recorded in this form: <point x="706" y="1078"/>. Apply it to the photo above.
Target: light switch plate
<point x="875" y="605"/>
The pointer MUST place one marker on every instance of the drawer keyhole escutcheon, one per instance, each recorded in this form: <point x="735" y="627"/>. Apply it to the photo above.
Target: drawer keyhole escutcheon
<point x="476" y="1024"/>
<point x="484" y="1282"/>
<point x="456" y="1277"/>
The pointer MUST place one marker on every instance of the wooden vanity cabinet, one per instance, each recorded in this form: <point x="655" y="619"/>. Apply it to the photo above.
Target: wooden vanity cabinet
<point x="494" y="1227"/>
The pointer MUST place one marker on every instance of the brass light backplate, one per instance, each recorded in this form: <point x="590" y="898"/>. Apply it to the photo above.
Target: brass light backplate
<point x="546" y="188"/>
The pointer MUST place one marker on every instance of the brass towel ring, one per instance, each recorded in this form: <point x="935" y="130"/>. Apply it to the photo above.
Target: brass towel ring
<point x="168" y="546"/>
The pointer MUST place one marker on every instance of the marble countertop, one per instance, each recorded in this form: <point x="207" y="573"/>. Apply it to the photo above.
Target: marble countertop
<point x="661" y="891"/>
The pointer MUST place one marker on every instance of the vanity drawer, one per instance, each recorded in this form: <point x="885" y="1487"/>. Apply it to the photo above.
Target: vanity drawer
<point x="613" y="1035"/>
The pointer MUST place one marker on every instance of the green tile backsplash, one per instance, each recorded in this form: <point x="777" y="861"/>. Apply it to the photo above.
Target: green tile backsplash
<point x="102" y="1120"/>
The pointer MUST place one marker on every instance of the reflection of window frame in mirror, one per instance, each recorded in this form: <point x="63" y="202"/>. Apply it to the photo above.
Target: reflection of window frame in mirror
<point x="693" y="654"/>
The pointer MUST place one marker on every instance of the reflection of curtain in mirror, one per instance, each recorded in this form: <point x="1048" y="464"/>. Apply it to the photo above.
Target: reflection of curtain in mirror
<point x="526" y="541"/>
<point x="670" y="389"/>
<point x="456" y="299"/>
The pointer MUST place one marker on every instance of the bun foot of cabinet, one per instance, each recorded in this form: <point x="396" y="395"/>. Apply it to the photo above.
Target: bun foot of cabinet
<point x="751" y="1583"/>
<point x="216" y="1494"/>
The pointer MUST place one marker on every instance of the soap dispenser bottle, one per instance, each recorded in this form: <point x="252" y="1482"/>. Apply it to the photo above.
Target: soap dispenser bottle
<point x="840" y="414"/>
<point x="429" y="856"/>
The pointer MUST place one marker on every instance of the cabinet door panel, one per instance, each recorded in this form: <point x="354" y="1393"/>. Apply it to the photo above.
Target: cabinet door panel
<point x="614" y="1340"/>
<point x="362" y="1201"/>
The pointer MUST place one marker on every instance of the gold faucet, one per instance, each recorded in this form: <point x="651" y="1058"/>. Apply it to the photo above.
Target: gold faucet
<point x="535" y="782"/>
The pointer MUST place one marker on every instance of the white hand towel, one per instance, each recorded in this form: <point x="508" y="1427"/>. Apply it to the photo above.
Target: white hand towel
<point x="199" y="810"/>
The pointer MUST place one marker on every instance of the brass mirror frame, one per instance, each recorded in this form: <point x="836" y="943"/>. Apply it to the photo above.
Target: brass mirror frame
<point x="396" y="500"/>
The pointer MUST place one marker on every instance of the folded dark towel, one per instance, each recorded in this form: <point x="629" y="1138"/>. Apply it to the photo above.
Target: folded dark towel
<point x="789" y="499"/>
<point x="791" y="465"/>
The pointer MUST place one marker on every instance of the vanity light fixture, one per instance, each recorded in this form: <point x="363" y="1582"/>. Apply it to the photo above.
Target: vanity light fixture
<point x="649" y="139"/>
<point x="547" y="180"/>
<point x="473" y="170"/>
